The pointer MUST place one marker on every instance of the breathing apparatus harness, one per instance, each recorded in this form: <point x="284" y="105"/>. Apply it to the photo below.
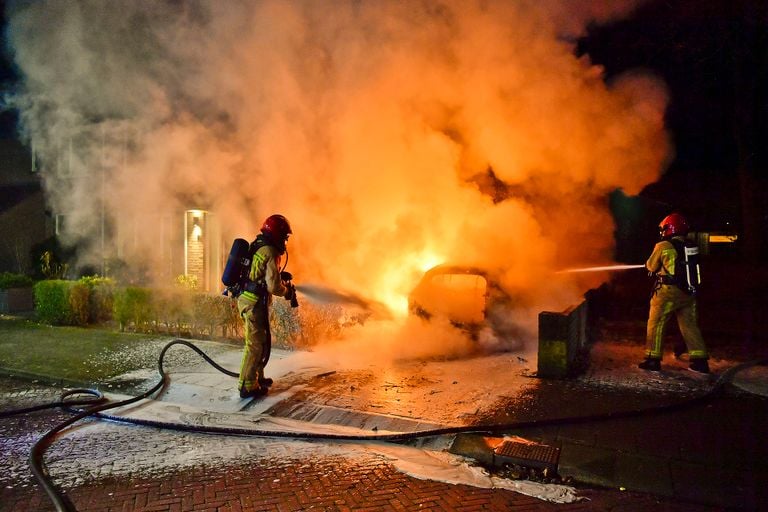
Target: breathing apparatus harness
<point x="236" y="275"/>
<point x="687" y="274"/>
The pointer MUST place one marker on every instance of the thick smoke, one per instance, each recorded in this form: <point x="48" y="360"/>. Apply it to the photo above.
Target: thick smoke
<point x="393" y="135"/>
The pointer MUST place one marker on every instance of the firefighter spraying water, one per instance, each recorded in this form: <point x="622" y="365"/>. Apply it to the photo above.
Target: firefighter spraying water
<point x="252" y="276"/>
<point x="674" y="262"/>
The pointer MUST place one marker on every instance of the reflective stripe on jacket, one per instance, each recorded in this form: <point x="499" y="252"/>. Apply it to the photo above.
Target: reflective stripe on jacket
<point x="265" y="268"/>
<point x="662" y="259"/>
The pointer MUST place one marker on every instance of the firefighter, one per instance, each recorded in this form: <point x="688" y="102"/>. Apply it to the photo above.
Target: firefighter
<point x="672" y="295"/>
<point x="253" y="304"/>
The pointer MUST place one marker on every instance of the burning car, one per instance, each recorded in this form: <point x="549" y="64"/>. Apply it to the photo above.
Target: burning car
<point x="463" y="295"/>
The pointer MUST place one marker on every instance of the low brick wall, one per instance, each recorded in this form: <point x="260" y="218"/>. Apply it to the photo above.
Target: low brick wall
<point x="17" y="300"/>
<point x="563" y="341"/>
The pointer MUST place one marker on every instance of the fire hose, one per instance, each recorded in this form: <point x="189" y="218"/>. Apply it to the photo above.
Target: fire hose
<point x="63" y="504"/>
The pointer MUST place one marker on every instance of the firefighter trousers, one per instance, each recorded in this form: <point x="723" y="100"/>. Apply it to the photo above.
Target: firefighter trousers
<point x="668" y="300"/>
<point x="258" y="340"/>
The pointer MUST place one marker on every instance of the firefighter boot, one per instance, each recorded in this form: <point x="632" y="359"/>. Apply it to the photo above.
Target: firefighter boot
<point x="699" y="365"/>
<point x="254" y="393"/>
<point x="651" y="364"/>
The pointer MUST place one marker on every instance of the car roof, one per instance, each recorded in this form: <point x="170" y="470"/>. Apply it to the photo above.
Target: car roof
<point x="455" y="269"/>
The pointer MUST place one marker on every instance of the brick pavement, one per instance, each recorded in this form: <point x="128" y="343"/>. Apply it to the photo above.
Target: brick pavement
<point x="269" y="480"/>
<point x="327" y="483"/>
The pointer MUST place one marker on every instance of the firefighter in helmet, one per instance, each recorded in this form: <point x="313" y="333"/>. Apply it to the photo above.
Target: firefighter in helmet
<point x="673" y="295"/>
<point x="253" y="304"/>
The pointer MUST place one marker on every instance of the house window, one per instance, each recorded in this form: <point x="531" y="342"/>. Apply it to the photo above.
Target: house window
<point x="35" y="163"/>
<point x="196" y="241"/>
<point x="59" y="224"/>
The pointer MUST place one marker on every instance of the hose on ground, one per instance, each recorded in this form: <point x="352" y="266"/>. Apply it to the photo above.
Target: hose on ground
<point x="36" y="462"/>
<point x="96" y="396"/>
<point x="98" y="408"/>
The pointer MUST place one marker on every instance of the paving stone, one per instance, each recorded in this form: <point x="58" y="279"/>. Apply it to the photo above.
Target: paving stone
<point x="588" y="464"/>
<point x="273" y="477"/>
<point x="644" y="474"/>
<point x="724" y="486"/>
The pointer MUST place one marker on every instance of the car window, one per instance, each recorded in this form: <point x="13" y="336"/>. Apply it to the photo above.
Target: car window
<point x="460" y="297"/>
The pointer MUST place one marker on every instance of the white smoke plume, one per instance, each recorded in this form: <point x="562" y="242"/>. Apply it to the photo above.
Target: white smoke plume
<point x="392" y="134"/>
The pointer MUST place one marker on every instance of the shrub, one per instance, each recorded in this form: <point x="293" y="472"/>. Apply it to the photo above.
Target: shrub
<point x="186" y="281"/>
<point x="305" y="326"/>
<point x="78" y="299"/>
<point x="52" y="302"/>
<point x="86" y="301"/>
<point x="9" y="280"/>
<point x="133" y="305"/>
<point x="205" y="313"/>
<point x="229" y="318"/>
<point x="202" y="314"/>
<point x="284" y="323"/>
<point x="50" y="268"/>
<point x="176" y="310"/>
<point x="319" y="322"/>
<point x="173" y="309"/>
<point x="100" y="298"/>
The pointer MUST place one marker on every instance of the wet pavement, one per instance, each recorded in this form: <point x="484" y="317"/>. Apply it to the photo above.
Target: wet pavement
<point x="706" y="455"/>
<point x="113" y="466"/>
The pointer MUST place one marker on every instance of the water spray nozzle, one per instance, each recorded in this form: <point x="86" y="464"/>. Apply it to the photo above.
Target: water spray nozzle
<point x="290" y="295"/>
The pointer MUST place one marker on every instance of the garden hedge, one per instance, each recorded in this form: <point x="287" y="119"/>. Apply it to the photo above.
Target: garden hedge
<point x="177" y="311"/>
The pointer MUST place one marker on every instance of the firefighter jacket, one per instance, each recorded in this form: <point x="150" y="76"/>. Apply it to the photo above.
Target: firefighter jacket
<point x="662" y="259"/>
<point x="265" y="271"/>
<point x="668" y="299"/>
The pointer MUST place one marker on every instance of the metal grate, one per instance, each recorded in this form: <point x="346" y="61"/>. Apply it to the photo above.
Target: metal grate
<point x="527" y="453"/>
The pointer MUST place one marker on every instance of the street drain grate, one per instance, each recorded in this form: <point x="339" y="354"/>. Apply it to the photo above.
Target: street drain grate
<point x="516" y="450"/>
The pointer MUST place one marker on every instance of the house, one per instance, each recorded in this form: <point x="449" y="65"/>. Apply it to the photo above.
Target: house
<point x="160" y="246"/>
<point x="24" y="221"/>
<point x="169" y="244"/>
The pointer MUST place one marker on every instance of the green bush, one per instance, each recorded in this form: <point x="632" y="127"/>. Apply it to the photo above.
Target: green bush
<point x="52" y="302"/>
<point x="177" y="310"/>
<point x="83" y="302"/>
<point x="9" y="280"/>
<point x="100" y="298"/>
<point x="78" y="299"/>
<point x="133" y="305"/>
